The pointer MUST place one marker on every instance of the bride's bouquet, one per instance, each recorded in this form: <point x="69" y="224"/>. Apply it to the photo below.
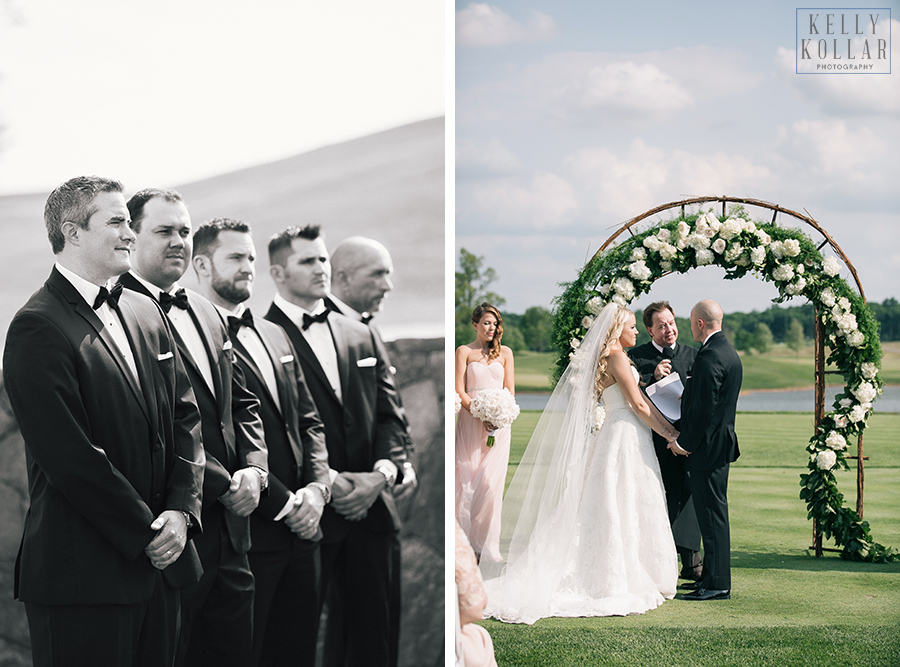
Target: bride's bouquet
<point x="496" y="407"/>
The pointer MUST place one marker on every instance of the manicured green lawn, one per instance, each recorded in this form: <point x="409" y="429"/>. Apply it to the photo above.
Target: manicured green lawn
<point x="781" y="368"/>
<point x="787" y="607"/>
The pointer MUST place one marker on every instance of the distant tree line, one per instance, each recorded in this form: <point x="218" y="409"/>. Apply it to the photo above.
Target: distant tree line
<point x="793" y="326"/>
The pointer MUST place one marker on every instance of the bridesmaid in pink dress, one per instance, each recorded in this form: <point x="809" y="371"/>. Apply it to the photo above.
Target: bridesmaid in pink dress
<point x="481" y="470"/>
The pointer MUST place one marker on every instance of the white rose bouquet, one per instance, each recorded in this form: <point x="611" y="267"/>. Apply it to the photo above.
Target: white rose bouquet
<point x="457" y="403"/>
<point x="496" y="407"/>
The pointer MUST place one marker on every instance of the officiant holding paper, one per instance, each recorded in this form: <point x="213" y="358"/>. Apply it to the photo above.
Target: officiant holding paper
<point x="657" y="360"/>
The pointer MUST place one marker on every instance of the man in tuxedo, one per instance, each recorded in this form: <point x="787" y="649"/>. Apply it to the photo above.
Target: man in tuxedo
<point x="708" y="439"/>
<point x="112" y="443"/>
<point x="217" y="611"/>
<point x="361" y="270"/>
<point x="284" y="555"/>
<point x="655" y="360"/>
<point x="365" y="434"/>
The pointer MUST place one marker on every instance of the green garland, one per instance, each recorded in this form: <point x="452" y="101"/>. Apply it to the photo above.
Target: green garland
<point x="790" y="259"/>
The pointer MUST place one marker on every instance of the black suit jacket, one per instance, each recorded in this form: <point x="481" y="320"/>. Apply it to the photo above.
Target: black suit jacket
<point x="232" y="430"/>
<point x="106" y="453"/>
<point x="363" y="428"/>
<point x="295" y="436"/>
<point x="709" y="405"/>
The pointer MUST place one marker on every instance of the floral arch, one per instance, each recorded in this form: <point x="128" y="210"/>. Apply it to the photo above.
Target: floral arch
<point x="795" y="264"/>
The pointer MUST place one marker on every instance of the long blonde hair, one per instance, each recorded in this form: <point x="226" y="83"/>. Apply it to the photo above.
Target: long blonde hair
<point x="477" y="314"/>
<point x="615" y="330"/>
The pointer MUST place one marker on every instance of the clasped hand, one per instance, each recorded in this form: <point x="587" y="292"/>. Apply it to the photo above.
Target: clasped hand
<point x="170" y="540"/>
<point x="303" y="519"/>
<point x="242" y="496"/>
<point x="353" y="493"/>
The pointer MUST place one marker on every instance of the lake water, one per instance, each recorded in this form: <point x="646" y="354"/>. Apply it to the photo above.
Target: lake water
<point x="761" y="401"/>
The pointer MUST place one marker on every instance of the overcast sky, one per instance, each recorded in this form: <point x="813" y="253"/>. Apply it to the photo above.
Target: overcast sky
<point x="573" y="117"/>
<point x="167" y="92"/>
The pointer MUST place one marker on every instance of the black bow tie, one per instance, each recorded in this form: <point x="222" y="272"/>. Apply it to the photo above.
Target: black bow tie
<point x="179" y="300"/>
<point x="309" y="319"/>
<point x="235" y="323"/>
<point x="107" y="296"/>
<point x="366" y="318"/>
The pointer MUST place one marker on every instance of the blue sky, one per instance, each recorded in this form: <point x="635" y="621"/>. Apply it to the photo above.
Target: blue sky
<point x="572" y="117"/>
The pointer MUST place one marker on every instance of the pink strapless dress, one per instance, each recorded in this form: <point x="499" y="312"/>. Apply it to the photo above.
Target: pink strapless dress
<point x="481" y="470"/>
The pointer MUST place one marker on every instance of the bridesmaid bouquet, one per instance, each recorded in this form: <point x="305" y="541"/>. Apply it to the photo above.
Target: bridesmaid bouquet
<point x="496" y="407"/>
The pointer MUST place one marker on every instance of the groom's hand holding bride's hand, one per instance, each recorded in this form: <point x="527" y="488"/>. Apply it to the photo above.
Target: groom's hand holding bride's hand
<point x="354" y="492"/>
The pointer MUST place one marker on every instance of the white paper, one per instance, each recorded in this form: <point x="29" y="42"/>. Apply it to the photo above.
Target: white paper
<point x="666" y="396"/>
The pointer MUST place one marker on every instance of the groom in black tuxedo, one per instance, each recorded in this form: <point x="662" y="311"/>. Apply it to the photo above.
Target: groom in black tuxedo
<point x="655" y="360"/>
<point x="708" y="439"/>
<point x="365" y="434"/>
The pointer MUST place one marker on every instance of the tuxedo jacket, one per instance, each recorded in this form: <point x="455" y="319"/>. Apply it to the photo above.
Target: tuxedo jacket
<point x="709" y="405"/>
<point x="295" y="436"/>
<point x="231" y="427"/>
<point x="362" y="428"/>
<point x="106" y="452"/>
<point x="382" y="349"/>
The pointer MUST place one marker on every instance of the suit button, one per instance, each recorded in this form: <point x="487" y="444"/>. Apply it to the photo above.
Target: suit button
<point x="157" y="496"/>
<point x="222" y="425"/>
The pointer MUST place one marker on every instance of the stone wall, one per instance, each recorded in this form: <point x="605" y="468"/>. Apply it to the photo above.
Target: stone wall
<point x="420" y="376"/>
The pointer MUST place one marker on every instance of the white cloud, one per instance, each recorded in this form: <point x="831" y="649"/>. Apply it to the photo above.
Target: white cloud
<point x="540" y="201"/>
<point x="620" y="186"/>
<point x="851" y="93"/>
<point x="480" y="24"/>
<point x="492" y="157"/>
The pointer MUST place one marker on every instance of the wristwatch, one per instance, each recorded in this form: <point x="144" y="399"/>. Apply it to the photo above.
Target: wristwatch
<point x="263" y="478"/>
<point x="188" y="521"/>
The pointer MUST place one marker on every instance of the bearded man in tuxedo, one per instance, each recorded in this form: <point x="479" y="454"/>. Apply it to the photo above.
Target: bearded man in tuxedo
<point x="656" y="360"/>
<point x="217" y="611"/>
<point x="709" y="441"/>
<point x="284" y="554"/>
<point x="366" y="437"/>
<point x="112" y="443"/>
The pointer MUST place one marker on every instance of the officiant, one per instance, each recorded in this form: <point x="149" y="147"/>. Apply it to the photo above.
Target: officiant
<point x="656" y="360"/>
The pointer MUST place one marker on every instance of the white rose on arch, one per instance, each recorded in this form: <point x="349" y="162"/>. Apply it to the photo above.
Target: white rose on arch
<point x="704" y="257"/>
<point x="783" y="272"/>
<point x="595" y="305"/>
<point x="639" y="270"/>
<point x="868" y="370"/>
<point x="826" y="460"/>
<point x="718" y="246"/>
<point x="865" y="392"/>
<point x="758" y="255"/>
<point x="831" y="267"/>
<point x="836" y="441"/>
<point x="858" y="413"/>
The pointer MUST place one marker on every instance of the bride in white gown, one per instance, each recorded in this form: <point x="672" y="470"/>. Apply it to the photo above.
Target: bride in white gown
<point x="585" y="515"/>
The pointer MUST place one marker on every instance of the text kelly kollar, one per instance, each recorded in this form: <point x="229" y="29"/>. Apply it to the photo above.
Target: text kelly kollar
<point x="821" y="46"/>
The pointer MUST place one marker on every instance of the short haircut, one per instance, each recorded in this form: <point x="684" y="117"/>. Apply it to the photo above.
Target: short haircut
<point x="207" y="235"/>
<point x="140" y="198"/>
<point x="71" y="202"/>
<point x="652" y="309"/>
<point x="280" y="243"/>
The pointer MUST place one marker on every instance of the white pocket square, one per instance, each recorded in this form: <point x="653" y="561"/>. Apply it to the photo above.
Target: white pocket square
<point x="227" y="345"/>
<point x="368" y="362"/>
<point x="286" y="359"/>
<point x="163" y="357"/>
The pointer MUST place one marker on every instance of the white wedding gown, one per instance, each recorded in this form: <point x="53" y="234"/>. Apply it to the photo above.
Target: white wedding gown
<point x="599" y="542"/>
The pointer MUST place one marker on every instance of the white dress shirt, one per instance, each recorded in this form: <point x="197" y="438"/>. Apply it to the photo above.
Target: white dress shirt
<point x="107" y="315"/>
<point x="249" y="338"/>
<point x="318" y="335"/>
<point x="187" y="329"/>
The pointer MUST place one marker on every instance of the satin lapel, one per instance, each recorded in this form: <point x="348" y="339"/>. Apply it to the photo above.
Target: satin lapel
<point x="143" y="359"/>
<point x="343" y="353"/>
<point x="247" y="358"/>
<point x="91" y="317"/>
<point x="212" y="354"/>
<point x="281" y="377"/>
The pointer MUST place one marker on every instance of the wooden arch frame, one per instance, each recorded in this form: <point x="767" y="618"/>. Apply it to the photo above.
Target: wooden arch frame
<point x="820" y="372"/>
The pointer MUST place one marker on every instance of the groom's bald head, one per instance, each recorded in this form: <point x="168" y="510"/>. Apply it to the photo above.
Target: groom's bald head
<point x="706" y="318"/>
